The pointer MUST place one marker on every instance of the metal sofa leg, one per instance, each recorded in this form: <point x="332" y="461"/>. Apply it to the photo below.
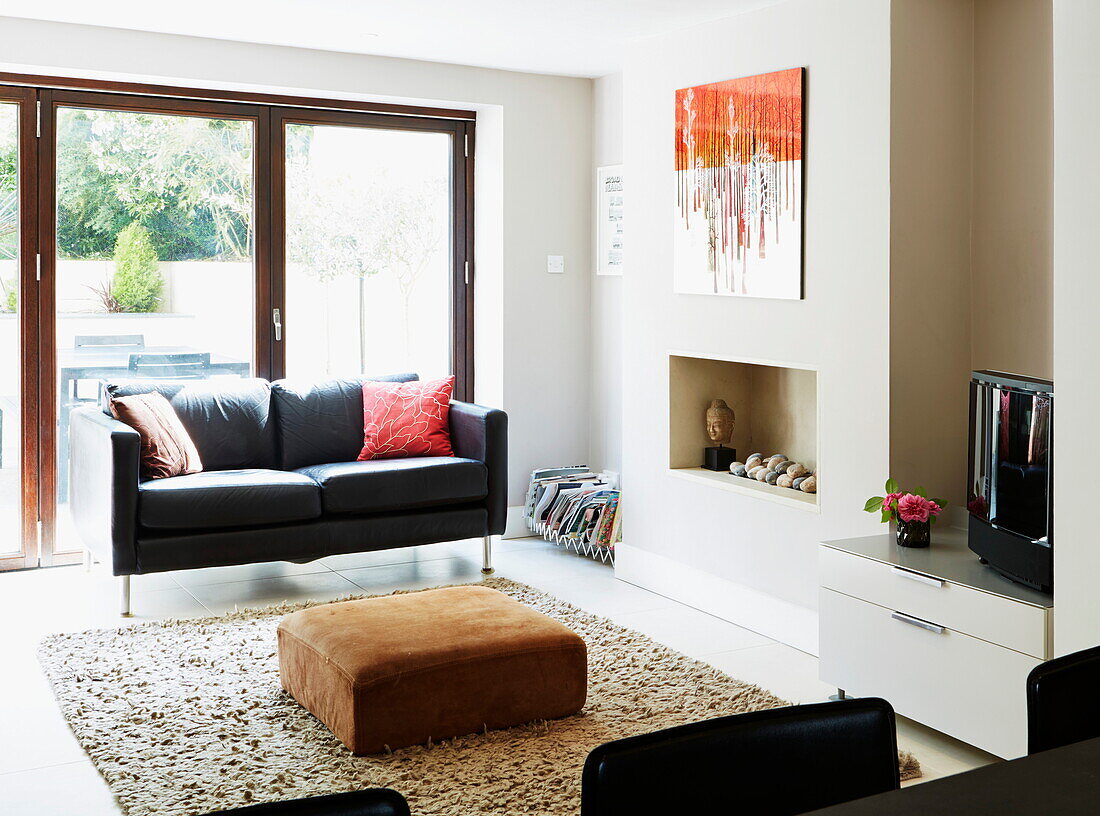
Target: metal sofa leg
<point x="487" y="555"/>
<point x="125" y="597"/>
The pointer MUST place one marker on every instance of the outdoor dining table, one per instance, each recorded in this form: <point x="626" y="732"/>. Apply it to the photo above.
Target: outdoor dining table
<point x="111" y="363"/>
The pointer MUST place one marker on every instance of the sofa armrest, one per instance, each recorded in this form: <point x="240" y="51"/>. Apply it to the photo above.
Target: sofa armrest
<point x="481" y="433"/>
<point x="105" y="457"/>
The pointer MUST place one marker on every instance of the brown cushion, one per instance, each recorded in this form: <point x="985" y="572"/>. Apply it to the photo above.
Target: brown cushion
<point x="403" y="669"/>
<point x="166" y="447"/>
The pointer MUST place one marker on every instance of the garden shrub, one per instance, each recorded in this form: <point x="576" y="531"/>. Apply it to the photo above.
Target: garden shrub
<point x="10" y="302"/>
<point x="137" y="283"/>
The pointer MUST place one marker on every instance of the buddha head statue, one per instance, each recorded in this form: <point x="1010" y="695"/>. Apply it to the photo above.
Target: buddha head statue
<point x="719" y="422"/>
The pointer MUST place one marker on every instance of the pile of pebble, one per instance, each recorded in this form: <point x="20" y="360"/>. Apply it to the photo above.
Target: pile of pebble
<point x="777" y="470"/>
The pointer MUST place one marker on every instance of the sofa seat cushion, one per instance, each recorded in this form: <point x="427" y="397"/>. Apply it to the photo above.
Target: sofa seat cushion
<point x="228" y="498"/>
<point x="381" y="485"/>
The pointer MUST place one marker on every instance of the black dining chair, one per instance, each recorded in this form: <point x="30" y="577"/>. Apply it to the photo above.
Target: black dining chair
<point x="176" y="366"/>
<point x="369" y="802"/>
<point x="1063" y="705"/>
<point x="767" y="763"/>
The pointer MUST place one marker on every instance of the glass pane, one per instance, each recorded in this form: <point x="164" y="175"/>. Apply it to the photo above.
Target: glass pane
<point x="368" y="266"/>
<point x="10" y="450"/>
<point x="154" y="254"/>
<point x="1021" y="463"/>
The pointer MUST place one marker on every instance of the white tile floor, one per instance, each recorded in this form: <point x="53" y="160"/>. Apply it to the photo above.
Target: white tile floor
<point x="43" y="771"/>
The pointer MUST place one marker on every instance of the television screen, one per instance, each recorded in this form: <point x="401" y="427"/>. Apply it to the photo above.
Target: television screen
<point x="1010" y="479"/>
<point x="1012" y="463"/>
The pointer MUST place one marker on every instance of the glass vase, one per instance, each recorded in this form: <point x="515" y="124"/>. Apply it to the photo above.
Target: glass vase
<point x="914" y="533"/>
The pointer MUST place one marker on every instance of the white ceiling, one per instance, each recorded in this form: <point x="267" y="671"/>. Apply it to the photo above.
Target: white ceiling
<point x="571" y="37"/>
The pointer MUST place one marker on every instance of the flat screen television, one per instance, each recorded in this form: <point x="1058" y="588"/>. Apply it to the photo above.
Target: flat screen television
<point x="1010" y="496"/>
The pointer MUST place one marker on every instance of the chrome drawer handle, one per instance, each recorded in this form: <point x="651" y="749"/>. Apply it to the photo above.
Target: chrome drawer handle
<point x="922" y="624"/>
<point x="920" y="577"/>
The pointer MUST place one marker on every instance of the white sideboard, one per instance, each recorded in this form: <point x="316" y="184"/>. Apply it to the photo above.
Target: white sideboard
<point x="947" y="641"/>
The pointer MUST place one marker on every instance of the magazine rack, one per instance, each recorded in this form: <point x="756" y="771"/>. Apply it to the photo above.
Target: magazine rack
<point x="574" y="508"/>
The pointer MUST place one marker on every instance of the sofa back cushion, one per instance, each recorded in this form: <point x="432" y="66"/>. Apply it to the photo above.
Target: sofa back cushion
<point x="229" y="420"/>
<point x="322" y="421"/>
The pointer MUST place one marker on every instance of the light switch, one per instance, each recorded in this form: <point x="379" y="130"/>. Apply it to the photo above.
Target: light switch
<point x="555" y="264"/>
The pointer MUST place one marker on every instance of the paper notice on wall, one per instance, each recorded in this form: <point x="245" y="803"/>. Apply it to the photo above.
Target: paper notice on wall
<point x="609" y="217"/>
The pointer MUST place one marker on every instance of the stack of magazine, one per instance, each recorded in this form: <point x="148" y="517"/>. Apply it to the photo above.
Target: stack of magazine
<point x="576" y="508"/>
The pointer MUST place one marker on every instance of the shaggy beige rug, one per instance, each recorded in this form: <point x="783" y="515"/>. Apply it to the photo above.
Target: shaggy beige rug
<point x="187" y="717"/>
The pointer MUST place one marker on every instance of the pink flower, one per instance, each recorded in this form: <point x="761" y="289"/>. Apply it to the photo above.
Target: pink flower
<point x="914" y="508"/>
<point x="934" y="508"/>
<point x="891" y="498"/>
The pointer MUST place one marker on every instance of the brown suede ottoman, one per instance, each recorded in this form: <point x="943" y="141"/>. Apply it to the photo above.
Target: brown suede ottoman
<point x="402" y="669"/>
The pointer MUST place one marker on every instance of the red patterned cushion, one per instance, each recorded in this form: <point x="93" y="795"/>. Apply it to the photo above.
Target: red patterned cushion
<point x="406" y="419"/>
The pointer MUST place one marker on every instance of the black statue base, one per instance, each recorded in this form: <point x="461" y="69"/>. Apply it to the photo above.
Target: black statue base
<point x="719" y="458"/>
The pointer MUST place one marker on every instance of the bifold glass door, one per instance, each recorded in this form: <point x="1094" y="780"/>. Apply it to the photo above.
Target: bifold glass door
<point x="369" y="274"/>
<point x="183" y="238"/>
<point x="153" y="269"/>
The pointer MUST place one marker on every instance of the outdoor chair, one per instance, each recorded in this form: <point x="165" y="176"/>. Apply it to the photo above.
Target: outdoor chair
<point x="116" y="340"/>
<point x="82" y="341"/>
<point x="180" y="366"/>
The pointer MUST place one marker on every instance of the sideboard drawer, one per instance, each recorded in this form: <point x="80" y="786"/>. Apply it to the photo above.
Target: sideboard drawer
<point x="999" y="620"/>
<point x="950" y="681"/>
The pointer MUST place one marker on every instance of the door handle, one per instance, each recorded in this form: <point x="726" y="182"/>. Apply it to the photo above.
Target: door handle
<point x="919" y="577"/>
<point x="920" y="624"/>
<point x="277" y="322"/>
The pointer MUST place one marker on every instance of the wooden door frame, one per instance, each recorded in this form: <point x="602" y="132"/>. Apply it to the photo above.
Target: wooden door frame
<point x="462" y="220"/>
<point x="26" y="99"/>
<point x="42" y="81"/>
<point x="464" y="272"/>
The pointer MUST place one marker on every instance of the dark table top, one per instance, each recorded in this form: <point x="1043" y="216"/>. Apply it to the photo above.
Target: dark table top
<point x="1059" y="782"/>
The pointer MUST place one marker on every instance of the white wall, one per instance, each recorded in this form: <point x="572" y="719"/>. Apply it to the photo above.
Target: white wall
<point x="978" y="294"/>
<point x="534" y="182"/>
<point x="760" y="558"/>
<point x="1076" y="329"/>
<point x="605" y="418"/>
<point x="931" y="71"/>
<point x="1011" y="235"/>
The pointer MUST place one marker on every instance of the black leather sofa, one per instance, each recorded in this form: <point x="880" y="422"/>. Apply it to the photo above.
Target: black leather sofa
<point x="280" y="480"/>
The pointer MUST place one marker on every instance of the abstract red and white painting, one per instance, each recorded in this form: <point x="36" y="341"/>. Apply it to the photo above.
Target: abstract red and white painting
<point x="739" y="187"/>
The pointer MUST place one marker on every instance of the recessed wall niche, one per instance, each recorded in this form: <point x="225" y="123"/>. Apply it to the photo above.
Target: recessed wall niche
<point x="775" y="409"/>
